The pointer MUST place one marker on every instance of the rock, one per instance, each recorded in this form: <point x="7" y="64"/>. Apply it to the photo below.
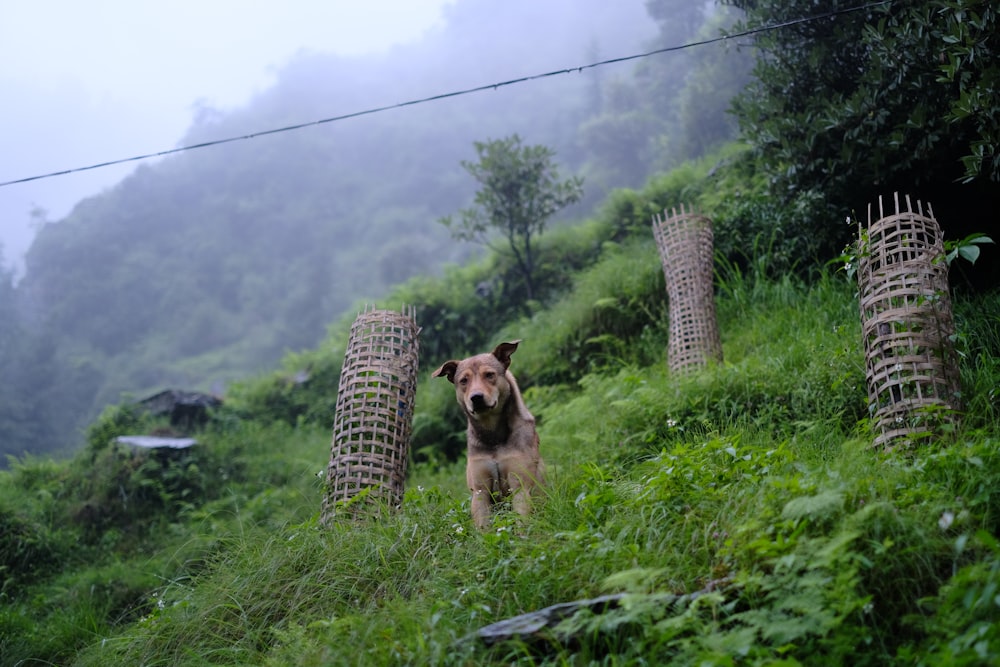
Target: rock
<point x="185" y="409"/>
<point x="530" y="628"/>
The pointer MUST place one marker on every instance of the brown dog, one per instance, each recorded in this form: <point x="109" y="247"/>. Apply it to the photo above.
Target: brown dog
<point x="503" y="458"/>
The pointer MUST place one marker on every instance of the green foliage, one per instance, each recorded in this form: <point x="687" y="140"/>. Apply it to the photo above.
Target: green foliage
<point x="305" y="391"/>
<point x="519" y="190"/>
<point x="116" y="420"/>
<point x="438" y="425"/>
<point x="874" y="100"/>
<point x="208" y="267"/>
<point x="97" y="537"/>
<point x="615" y="315"/>
<point x="64" y="616"/>
<point x="963" y="33"/>
<point x="967" y="248"/>
<point x="458" y="311"/>
<point x="673" y="110"/>
<point x="739" y="511"/>
<point x="129" y="492"/>
<point x="977" y="340"/>
<point x="27" y="550"/>
<point x="965" y="627"/>
<point x="794" y="234"/>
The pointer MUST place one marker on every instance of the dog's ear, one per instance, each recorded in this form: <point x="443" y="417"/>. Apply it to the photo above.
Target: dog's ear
<point x="504" y="350"/>
<point x="447" y="369"/>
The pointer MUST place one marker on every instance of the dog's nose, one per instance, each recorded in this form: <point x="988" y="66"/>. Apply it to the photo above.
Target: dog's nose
<point x="478" y="401"/>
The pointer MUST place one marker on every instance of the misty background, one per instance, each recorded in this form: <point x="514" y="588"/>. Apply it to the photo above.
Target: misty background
<point x="203" y="267"/>
<point x="110" y="79"/>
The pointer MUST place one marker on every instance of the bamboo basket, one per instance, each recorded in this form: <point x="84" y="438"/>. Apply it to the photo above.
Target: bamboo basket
<point x="907" y="325"/>
<point x="685" y="242"/>
<point x="374" y="414"/>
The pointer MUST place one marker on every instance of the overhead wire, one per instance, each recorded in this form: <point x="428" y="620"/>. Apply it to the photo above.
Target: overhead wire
<point x="456" y="93"/>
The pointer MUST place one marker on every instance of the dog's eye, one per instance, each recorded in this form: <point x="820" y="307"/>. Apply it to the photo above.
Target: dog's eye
<point x="490" y="375"/>
<point x="463" y="381"/>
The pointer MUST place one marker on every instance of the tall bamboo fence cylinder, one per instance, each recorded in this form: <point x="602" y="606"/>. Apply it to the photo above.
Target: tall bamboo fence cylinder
<point x="685" y="242"/>
<point x="906" y="322"/>
<point x="374" y="414"/>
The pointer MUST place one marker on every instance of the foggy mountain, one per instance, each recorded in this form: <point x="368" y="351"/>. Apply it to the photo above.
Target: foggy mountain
<point x="210" y="264"/>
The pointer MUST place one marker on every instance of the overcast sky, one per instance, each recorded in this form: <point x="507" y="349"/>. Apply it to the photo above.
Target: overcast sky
<point x="88" y="82"/>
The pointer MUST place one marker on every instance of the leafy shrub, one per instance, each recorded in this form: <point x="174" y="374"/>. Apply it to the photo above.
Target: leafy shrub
<point x="66" y="614"/>
<point x="739" y="510"/>
<point x="114" y="421"/>
<point x="438" y="423"/>
<point x="747" y="215"/>
<point x="963" y="629"/>
<point x="136" y="491"/>
<point x="977" y="340"/>
<point x="28" y="551"/>
<point x="614" y="316"/>
<point x="306" y="391"/>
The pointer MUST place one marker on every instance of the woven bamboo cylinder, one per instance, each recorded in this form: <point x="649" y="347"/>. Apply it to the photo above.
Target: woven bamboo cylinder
<point x="906" y="322"/>
<point x="374" y="414"/>
<point x="685" y="242"/>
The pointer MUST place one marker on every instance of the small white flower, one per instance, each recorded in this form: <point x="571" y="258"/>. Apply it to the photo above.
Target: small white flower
<point x="671" y="423"/>
<point x="947" y="518"/>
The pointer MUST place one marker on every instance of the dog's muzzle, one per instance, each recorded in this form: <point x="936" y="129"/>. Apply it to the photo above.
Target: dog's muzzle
<point x="479" y="403"/>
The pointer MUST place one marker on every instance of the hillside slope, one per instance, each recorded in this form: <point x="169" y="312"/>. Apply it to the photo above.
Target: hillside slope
<point x="740" y="511"/>
<point x="206" y="266"/>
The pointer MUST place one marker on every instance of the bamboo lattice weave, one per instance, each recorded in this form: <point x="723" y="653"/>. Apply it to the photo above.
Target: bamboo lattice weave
<point x="374" y="414"/>
<point x="906" y="322"/>
<point x="685" y="242"/>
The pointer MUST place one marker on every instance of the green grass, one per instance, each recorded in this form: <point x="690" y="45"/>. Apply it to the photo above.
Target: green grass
<point x="741" y="510"/>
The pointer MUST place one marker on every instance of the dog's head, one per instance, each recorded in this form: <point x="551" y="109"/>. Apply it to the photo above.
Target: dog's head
<point x="481" y="381"/>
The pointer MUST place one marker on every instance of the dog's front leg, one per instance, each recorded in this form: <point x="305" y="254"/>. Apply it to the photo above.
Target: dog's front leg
<point x="520" y="501"/>
<point x="521" y="482"/>
<point x="482" y="504"/>
<point x="481" y="475"/>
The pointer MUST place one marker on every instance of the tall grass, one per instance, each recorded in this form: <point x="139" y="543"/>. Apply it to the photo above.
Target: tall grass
<point x="741" y="511"/>
<point x="96" y="568"/>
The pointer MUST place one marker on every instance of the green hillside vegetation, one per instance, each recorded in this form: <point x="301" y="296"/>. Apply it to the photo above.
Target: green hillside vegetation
<point x="738" y="515"/>
<point x="206" y="267"/>
<point x="741" y="510"/>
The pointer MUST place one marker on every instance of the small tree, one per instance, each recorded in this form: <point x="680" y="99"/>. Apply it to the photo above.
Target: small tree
<point x="520" y="190"/>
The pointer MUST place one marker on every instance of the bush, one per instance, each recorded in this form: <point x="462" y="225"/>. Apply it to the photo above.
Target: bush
<point x="114" y="421"/>
<point x="615" y="316"/>
<point x="304" y="392"/>
<point x="135" y="492"/>
<point x="28" y="551"/>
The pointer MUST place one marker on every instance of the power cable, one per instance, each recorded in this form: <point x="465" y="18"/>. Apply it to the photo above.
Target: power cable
<point x="456" y="93"/>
